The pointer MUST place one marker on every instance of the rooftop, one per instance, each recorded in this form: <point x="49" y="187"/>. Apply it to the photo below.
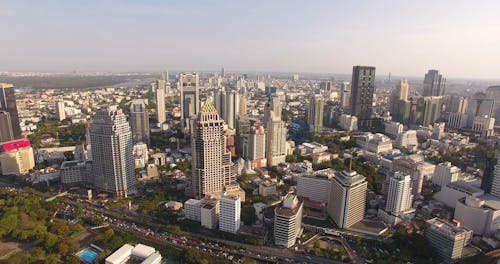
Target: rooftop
<point x="444" y="227"/>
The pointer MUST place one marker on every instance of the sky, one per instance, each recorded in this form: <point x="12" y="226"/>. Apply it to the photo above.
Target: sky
<point x="458" y="37"/>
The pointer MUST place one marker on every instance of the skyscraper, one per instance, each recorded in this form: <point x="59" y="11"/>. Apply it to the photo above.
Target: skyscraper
<point x="60" y="114"/>
<point x="211" y="160"/>
<point x="315" y="113"/>
<point x="256" y="151"/>
<point x="112" y="152"/>
<point x="434" y="84"/>
<point x="400" y="93"/>
<point x="161" y="116"/>
<point x="362" y="90"/>
<point x="432" y="109"/>
<point x="8" y="103"/>
<point x="495" y="181"/>
<point x="190" y="96"/>
<point x="348" y="198"/>
<point x="345" y="96"/>
<point x="276" y="133"/>
<point x="399" y="197"/>
<point x="139" y="121"/>
<point x="6" y="133"/>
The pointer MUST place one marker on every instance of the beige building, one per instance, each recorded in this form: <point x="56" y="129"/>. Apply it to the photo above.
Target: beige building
<point x="16" y="157"/>
<point x="276" y="133"/>
<point x="449" y="240"/>
<point x="347" y="198"/>
<point x="287" y="221"/>
<point x="211" y="171"/>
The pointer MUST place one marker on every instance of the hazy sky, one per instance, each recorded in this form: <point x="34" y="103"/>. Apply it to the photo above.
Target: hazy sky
<point x="460" y="38"/>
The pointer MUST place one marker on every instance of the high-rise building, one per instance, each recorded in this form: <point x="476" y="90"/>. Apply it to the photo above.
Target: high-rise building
<point x="139" y="121"/>
<point x="489" y="171"/>
<point x="479" y="105"/>
<point x="434" y="84"/>
<point x="276" y="133"/>
<point x="448" y="240"/>
<point x="8" y="103"/>
<point x="60" y="114"/>
<point x="230" y="213"/>
<point x="315" y="114"/>
<point x="112" y="152"/>
<point x="161" y="116"/>
<point x="413" y="165"/>
<point x="287" y="221"/>
<point x="432" y="109"/>
<point x="190" y="96"/>
<point x="399" y="197"/>
<point x="345" y="95"/>
<point x="211" y="160"/>
<point x="362" y="90"/>
<point x="493" y="92"/>
<point x="445" y="173"/>
<point x="6" y="133"/>
<point x="256" y="152"/>
<point x="494" y="188"/>
<point x="348" y="198"/>
<point x="400" y="93"/>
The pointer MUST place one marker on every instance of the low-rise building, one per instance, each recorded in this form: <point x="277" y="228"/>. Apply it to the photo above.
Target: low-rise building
<point x="16" y="157"/>
<point x="348" y="122"/>
<point x="146" y="255"/>
<point x="267" y="188"/>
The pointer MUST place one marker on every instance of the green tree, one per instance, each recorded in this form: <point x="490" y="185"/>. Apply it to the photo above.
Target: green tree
<point x="248" y="215"/>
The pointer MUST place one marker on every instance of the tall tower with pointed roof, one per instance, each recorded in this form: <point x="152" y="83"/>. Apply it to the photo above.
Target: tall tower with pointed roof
<point x="211" y="171"/>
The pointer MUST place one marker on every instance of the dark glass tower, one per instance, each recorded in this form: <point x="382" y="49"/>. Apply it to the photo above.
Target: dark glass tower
<point x="362" y="89"/>
<point x="8" y="104"/>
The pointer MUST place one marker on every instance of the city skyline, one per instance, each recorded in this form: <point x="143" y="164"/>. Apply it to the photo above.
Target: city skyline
<point x="325" y="37"/>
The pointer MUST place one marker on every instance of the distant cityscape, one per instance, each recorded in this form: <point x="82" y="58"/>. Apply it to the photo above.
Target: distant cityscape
<point x="278" y="168"/>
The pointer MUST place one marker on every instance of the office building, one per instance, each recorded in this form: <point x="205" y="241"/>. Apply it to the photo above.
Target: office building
<point x="256" y="150"/>
<point x="267" y="188"/>
<point x="401" y="111"/>
<point x="479" y="105"/>
<point x="348" y="122"/>
<point x="347" y="198"/>
<point x="400" y="93"/>
<point x="362" y="90"/>
<point x="8" y="104"/>
<point x="192" y="210"/>
<point x="445" y="173"/>
<point x="190" y="97"/>
<point x="230" y="213"/>
<point x="448" y="240"/>
<point x="434" y="84"/>
<point x="482" y="124"/>
<point x="407" y="140"/>
<point x="16" y="157"/>
<point x="438" y="131"/>
<point x="209" y="213"/>
<point x="456" y="104"/>
<point x="314" y="190"/>
<point x="345" y="95"/>
<point x="432" y="106"/>
<point x="393" y="129"/>
<point x="6" y="133"/>
<point x="139" y="121"/>
<point x="493" y="92"/>
<point x="413" y="165"/>
<point x="60" y="114"/>
<point x="478" y="213"/>
<point x="457" y="120"/>
<point x="287" y="221"/>
<point x="112" y="152"/>
<point x="399" y="197"/>
<point x="161" y="115"/>
<point x="75" y="173"/>
<point x="276" y="132"/>
<point x="315" y="113"/>
<point x="211" y="161"/>
<point x="494" y="188"/>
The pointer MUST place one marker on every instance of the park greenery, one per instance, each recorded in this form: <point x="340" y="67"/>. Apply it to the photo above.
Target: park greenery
<point x="27" y="220"/>
<point x="329" y="253"/>
<point x="248" y="215"/>
<point x="68" y="134"/>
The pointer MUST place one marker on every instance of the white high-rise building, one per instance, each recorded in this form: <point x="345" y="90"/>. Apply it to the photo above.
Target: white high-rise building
<point x="211" y="160"/>
<point x="276" y="133"/>
<point x="348" y="122"/>
<point x="139" y="121"/>
<point x="495" y="182"/>
<point x="192" y="209"/>
<point x="399" y="197"/>
<point x="190" y="97"/>
<point x="287" y="221"/>
<point x="257" y="146"/>
<point x="315" y="113"/>
<point x="209" y="213"/>
<point x="348" y="198"/>
<point x="345" y="95"/>
<point x="445" y="173"/>
<point x="448" y="240"/>
<point x="112" y="152"/>
<point x="230" y="213"/>
<point x="60" y="114"/>
<point x="407" y="139"/>
<point x="161" y="115"/>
